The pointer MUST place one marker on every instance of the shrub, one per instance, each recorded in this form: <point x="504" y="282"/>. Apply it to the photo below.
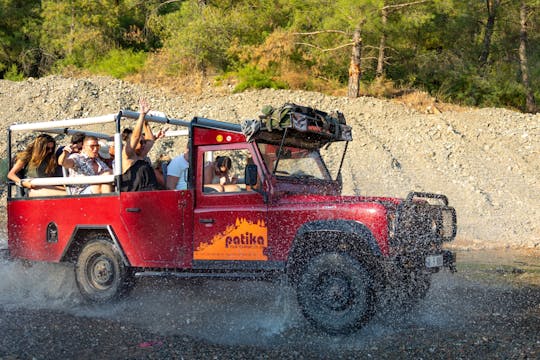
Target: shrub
<point x="120" y="63"/>
<point x="250" y="77"/>
<point x="13" y="73"/>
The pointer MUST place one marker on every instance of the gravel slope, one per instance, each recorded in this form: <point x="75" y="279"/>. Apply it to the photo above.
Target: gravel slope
<point x="486" y="160"/>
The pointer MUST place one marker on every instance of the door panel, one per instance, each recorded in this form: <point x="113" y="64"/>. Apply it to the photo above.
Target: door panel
<point x="157" y="222"/>
<point x="230" y="225"/>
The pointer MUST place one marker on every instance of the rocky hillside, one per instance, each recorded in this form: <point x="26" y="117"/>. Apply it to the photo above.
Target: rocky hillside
<point x="486" y="160"/>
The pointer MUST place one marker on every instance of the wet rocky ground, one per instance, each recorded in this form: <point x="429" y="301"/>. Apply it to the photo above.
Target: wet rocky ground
<point x="490" y="309"/>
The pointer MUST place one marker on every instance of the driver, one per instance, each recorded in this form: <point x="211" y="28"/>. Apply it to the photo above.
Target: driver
<point x="218" y="172"/>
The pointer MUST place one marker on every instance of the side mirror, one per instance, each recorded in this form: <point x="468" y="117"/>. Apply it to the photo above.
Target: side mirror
<point x="251" y="177"/>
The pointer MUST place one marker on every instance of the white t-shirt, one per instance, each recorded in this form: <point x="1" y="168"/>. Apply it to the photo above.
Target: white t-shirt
<point x="179" y="167"/>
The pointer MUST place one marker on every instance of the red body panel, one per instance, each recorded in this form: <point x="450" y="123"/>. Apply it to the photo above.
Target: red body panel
<point x="149" y="226"/>
<point x="216" y="137"/>
<point x="28" y="220"/>
<point x="287" y="216"/>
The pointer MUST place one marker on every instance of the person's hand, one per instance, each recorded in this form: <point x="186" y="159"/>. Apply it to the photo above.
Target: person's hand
<point x="161" y="133"/>
<point x="222" y="180"/>
<point x="28" y="183"/>
<point x="68" y="149"/>
<point x="143" y="106"/>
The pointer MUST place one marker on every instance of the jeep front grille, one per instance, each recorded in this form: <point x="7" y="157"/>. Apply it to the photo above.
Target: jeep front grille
<point x="423" y="223"/>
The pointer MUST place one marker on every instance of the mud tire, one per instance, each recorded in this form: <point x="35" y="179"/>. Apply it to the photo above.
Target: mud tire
<point x="335" y="293"/>
<point x="100" y="273"/>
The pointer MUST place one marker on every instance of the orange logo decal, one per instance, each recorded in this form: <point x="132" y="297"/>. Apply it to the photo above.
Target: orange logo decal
<point x="219" y="138"/>
<point x="242" y="241"/>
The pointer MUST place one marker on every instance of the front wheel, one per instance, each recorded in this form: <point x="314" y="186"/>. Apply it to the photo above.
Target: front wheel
<point x="335" y="293"/>
<point x="100" y="272"/>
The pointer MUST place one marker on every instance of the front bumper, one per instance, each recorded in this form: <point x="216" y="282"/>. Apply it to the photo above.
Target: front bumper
<point x="420" y="226"/>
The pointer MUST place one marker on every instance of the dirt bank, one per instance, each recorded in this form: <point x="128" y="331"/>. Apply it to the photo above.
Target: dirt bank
<point x="486" y="160"/>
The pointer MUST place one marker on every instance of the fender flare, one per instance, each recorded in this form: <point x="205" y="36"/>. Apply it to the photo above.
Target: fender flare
<point x="358" y="231"/>
<point x="342" y="226"/>
<point x="79" y="229"/>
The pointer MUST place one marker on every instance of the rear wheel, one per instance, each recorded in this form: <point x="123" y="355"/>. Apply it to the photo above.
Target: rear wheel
<point x="335" y="293"/>
<point x="100" y="272"/>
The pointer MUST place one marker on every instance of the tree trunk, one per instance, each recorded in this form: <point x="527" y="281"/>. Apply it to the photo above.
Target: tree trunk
<point x="354" y="68"/>
<point x="530" y="104"/>
<point x="492" y="6"/>
<point x="71" y="30"/>
<point x="382" y="43"/>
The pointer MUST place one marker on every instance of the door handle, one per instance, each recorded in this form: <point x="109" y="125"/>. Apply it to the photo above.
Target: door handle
<point x="206" y="221"/>
<point x="133" y="210"/>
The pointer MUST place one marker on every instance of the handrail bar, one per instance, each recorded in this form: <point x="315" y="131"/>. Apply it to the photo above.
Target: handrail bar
<point x="63" y="123"/>
<point x="71" y="180"/>
<point x="75" y="131"/>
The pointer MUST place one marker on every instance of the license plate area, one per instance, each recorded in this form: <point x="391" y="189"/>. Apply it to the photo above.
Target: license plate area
<point x="434" y="261"/>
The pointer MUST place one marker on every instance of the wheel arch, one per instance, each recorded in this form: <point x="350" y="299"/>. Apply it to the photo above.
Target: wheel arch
<point x="82" y="234"/>
<point x="346" y="236"/>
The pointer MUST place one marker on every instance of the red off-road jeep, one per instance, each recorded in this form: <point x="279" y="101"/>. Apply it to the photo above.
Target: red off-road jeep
<point x="284" y="215"/>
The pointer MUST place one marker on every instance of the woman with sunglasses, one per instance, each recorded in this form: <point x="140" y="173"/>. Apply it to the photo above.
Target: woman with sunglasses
<point x="38" y="160"/>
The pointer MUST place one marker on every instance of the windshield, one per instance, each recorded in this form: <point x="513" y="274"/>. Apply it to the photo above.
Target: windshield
<point x="294" y="162"/>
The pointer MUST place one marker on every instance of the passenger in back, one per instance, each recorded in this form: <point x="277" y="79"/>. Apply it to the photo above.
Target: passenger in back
<point x="86" y="163"/>
<point x="137" y="172"/>
<point x="38" y="160"/>
<point x="160" y="170"/>
<point x="76" y="147"/>
<point x="76" y="144"/>
<point x="177" y="171"/>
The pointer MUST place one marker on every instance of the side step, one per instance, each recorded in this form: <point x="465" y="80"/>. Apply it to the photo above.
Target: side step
<point x="259" y="275"/>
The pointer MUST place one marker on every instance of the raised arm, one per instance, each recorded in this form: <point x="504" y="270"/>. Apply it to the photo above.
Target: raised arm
<point x="131" y="144"/>
<point x="149" y="139"/>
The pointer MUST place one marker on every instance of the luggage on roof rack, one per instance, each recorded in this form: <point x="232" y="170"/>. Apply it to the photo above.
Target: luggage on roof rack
<point x="329" y="127"/>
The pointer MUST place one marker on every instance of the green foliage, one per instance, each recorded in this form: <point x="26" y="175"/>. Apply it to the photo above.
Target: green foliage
<point x="252" y="78"/>
<point x="79" y="32"/>
<point x="120" y="63"/>
<point x="205" y="37"/>
<point x="19" y="35"/>
<point x="433" y="45"/>
<point x="13" y="74"/>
